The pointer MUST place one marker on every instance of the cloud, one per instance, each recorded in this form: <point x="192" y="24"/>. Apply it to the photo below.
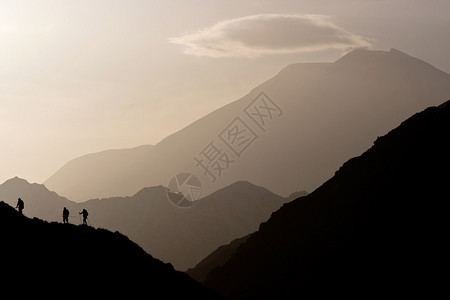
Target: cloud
<point x="258" y="35"/>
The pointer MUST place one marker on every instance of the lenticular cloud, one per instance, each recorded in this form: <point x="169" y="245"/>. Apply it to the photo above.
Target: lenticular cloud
<point x="258" y="35"/>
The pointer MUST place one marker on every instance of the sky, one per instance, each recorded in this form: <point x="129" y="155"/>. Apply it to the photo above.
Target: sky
<point x="84" y="76"/>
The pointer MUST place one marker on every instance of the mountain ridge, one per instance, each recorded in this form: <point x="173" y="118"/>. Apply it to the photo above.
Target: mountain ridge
<point x="181" y="236"/>
<point x="102" y="262"/>
<point x="368" y="231"/>
<point x="336" y="108"/>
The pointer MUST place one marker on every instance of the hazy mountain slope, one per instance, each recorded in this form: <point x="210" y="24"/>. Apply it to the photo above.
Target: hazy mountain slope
<point x="50" y="260"/>
<point x="376" y="228"/>
<point x="39" y="201"/>
<point x="216" y="259"/>
<point x="330" y="113"/>
<point x="296" y="195"/>
<point x="94" y="172"/>
<point x="222" y="254"/>
<point x="184" y="237"/>
<point x="181" y="236"/>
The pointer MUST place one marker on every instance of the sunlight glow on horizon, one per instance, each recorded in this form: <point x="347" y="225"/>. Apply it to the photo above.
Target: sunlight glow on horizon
<point x="84" y="76"/>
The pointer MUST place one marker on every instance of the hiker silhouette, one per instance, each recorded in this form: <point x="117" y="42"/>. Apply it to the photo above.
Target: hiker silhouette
<point x="85" y="215"/>
<point x="65" y="215"/>
<point x="20" y="205"/>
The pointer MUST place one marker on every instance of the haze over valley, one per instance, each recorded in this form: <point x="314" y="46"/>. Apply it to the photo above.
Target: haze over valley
<point x="232" y="150"/>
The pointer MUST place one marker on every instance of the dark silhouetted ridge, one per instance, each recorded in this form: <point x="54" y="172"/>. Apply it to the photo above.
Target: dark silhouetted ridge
<point x="377" y="228"/>
<point x="180" y="236"/>
<point x="51" y="260"/>
<point x="216" y="259"/>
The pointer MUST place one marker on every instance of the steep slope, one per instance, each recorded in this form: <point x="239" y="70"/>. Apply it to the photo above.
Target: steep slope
<point x="184" y="237"/>
<point x="50" y="260"/>
<point x="216" y="259"/>
<point x="93" y="172"/>
<point x="222" y="254"/>
<point x="39" y="201"/>
<point x="311" y="118"/>
<point x="180" y="236"/>
<point x="376" y="228"/>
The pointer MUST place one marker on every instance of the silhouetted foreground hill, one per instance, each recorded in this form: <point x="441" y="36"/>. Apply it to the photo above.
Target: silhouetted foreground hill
<point x="377" y="228"/>
<point x="180" y="236"/>
<point x="216" y="259"/>
<point x="50" y="260"/>
<point x="222" y="254"/>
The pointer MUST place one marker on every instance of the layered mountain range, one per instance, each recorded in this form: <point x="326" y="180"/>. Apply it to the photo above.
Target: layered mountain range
<point x="372" y="226"/>
<point x="376" y="228"/>
<point x="176" y="235"/>
<point x="304" y="122"/>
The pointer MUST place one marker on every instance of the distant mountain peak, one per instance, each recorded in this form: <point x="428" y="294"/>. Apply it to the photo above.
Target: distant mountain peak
<point x="16" y="181"/>
<point x="341" y="106"/>
<point x="360" y="55"/>
<point x="244" y="186"/>
<point x="393" y="58"/>
<point x="22" y="183"/>
<point x="151" y="190"/>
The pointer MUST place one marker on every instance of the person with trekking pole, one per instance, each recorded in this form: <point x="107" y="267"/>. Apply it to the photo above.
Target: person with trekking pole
<point x="85" y="215"/>
<point x="20" y="205"/>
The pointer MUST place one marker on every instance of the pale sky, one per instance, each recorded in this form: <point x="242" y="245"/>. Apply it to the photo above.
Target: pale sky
<point x="83" y="76"/>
